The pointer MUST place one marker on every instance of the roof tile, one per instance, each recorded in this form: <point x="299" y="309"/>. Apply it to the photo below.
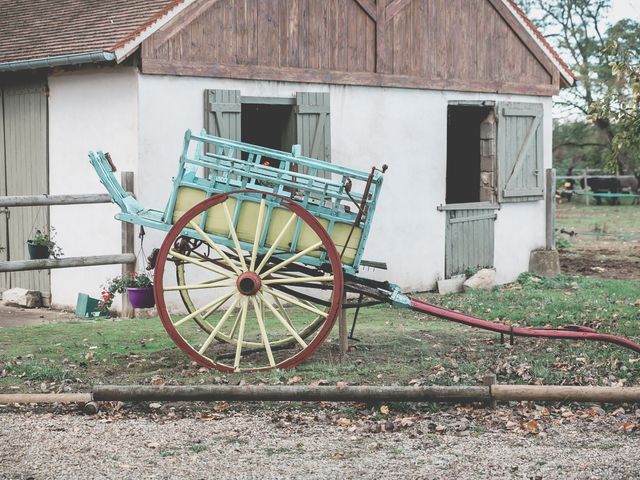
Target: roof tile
<point x="45" y="28"/>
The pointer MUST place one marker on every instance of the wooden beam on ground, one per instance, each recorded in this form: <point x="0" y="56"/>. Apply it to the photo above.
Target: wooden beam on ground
<point x="555" y="393"/>
<point x="45" y="397"/>
<point x="264" y="393"/>
<point x="89" y="261"/>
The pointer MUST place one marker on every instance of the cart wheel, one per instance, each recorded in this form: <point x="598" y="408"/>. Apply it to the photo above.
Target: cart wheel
<point x="265" y="308"/>
<point x="310" y="329"/>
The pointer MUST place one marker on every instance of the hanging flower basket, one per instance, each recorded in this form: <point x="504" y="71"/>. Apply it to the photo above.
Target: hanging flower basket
<point x="141" y="297"/>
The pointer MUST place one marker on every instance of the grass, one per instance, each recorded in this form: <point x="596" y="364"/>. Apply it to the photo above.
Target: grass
<point x="599" y="218"/>
<point x="396" y="346"/>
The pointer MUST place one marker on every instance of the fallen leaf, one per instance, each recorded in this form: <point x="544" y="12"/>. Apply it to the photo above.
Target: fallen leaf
<point x="384" y="410"/>
<point x="532" y="426"/>
<point x="294" y="380"/>
<point x="343" y="422"/>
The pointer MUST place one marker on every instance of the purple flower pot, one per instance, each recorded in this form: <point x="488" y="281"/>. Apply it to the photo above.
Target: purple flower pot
<point x="141" y="297"/>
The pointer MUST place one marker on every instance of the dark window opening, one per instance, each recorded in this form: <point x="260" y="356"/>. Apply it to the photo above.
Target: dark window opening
<point x="470" y="154"/>
<point x="271" y="126"/>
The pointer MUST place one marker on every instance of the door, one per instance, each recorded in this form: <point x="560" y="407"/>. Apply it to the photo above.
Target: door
<point x="24" y="169"/>
<point x="469" y="237"/>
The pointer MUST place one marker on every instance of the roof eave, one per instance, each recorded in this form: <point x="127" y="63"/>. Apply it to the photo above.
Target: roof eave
<point x="127" y="47"/>
<point x="57" y="61"/>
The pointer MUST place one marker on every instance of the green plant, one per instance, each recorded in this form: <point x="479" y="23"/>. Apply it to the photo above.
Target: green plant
<point x="120" y="284"/>
<point x="562" y="243"/>
<point x="46" y="239"/>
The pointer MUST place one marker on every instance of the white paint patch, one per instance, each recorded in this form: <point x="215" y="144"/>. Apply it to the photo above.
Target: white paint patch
<point x="88" y="111"/>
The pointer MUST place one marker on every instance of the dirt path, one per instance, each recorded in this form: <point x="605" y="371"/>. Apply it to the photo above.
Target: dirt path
<point x="264" y="445"/>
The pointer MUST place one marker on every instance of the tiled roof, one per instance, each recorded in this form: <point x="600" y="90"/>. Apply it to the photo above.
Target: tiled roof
<point x="549" y="50"/>
<point x="48" y="28"/>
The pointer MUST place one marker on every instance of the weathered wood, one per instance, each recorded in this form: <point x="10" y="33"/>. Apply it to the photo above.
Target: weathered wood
<point x="127" y="246"/>
<point x="458" y="42"/>
<point x="369" y="7"/>
<point x="88" y="261"/>
<point x="263" y="393"/>
<point x="550" y="199"/>
<point x="255" y="72"/>
<point x="45" y="398"/>
<point x="489" y="380"/>
<point x="553" y="393"/>
<point x="343" y="333"/>
<point x="33" y="200"/>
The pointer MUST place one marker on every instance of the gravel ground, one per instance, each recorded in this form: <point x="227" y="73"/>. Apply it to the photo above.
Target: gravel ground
<point x="262" y="445"/>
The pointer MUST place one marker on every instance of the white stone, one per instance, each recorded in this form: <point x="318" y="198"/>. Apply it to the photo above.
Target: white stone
<point x="22" y="297"/>
<point x="451" y="285"/>
<point x="485" y="279"/>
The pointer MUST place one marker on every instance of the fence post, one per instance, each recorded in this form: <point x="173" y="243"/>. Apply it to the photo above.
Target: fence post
<point x="585" y="187"/>
<point x="127" y="246"/>
<point x="551" y="209"/>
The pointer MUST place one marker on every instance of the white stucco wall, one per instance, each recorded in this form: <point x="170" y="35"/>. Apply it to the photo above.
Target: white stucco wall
<point x="141" y="120"/>
<point x="88" y="111"/>
<point x="403" y="128"/>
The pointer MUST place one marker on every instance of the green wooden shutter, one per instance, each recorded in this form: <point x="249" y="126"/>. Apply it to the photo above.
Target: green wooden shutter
<point x="4" y="238"/>
<point x="223" y="113"/>
<point x="520" y="152"/>
<point x="313" y="125"/>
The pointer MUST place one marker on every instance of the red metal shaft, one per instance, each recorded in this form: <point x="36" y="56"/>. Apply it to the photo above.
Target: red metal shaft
<point x="584" y="333"/>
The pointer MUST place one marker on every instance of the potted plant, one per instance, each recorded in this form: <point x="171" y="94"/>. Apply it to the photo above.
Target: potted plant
<point x="42" y="245"/>
<point x="139" y="288"/>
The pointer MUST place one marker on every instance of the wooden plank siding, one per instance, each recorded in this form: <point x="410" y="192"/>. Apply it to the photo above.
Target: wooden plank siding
<point x="468" y="45"/>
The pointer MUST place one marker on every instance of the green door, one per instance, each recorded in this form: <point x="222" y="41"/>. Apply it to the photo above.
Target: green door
<point x="24" y="170"/>
<point x="469" y="236"/>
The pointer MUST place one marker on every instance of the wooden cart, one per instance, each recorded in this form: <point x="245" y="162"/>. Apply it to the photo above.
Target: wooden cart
<point x="260" y="247"/>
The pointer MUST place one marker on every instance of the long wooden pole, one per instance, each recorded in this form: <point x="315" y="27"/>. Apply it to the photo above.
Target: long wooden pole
<point x="263" y="393"/>
<point x="24" y="265"/>
<point x="550" y="209"/>
<point x="45" y="397"/>
<point x="554" y="393"/>
<point x="37" y="200"/>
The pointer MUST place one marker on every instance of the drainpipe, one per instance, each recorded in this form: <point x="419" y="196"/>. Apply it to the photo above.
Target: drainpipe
<point x="57" y="61"/>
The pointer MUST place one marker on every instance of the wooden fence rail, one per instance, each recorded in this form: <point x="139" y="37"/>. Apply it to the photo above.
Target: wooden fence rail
<point x="126" y="258"/>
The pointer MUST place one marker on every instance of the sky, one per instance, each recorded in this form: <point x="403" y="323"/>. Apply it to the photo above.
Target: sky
<point x="624" y="9"/>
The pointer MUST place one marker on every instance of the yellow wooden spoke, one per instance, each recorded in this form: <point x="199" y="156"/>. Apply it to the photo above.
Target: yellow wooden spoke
<point x="256" y="238"/>
<point x="200" y="286"/>
<point x="207" y="266"/>
<point x="276" y="242"/>
<point x="287" y="281"/>
<point x="213" y="245"/>
<point x="283" y="310"/>
<point x="215" y="331"/>
<point x="295" y="301"/>
<point x="286" y="325"/>
<point x="234" y="235"/>
<point x="243" y="320"/>
<point x="291" y="259"/>
<point x="235" y="324"/>
<point x="263" y="331"/>
<point x="220" y="300"/>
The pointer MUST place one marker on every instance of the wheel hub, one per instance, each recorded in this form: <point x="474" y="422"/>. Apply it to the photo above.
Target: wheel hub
<point x="249" y="283"/>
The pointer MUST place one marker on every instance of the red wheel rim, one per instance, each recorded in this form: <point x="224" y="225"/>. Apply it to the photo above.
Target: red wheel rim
<point x="332" y="255"/>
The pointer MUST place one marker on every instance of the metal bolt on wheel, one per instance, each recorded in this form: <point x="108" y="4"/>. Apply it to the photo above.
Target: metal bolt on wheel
<point x="254" y="305"/>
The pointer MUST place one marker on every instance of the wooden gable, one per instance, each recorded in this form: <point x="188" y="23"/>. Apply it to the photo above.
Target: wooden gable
<point x="466" y="45"/>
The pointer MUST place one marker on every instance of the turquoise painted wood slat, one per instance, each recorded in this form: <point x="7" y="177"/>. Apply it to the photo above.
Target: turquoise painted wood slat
<point x="520" y="152"/>
<point x="236" y="165"/>
<point x="4" y="237"/>
<point x="26" y="173"/>
<point x="469" y="239"/>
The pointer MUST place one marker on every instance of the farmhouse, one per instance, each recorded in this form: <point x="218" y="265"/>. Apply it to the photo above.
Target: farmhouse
<point x="454" y="95"/>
